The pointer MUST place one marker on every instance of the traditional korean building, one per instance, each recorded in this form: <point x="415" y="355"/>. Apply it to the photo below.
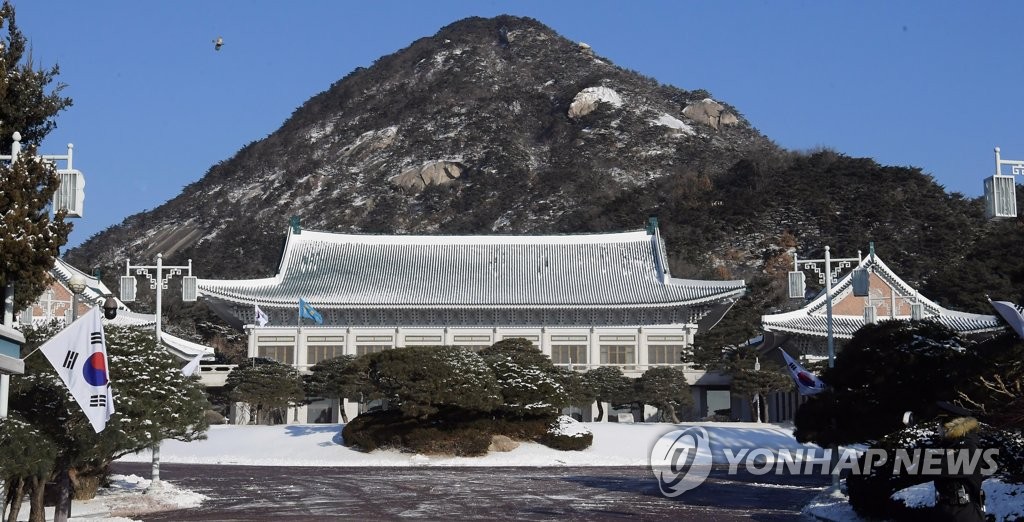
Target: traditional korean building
<point x="804" y="332"/>
<point x="585" y="300"/>
<point x="57" y="300"/>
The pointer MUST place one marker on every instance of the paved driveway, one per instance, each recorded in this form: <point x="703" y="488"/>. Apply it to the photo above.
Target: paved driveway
<point x="282" y="493"/>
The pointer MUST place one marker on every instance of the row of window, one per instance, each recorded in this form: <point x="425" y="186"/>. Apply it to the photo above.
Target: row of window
<point x="477" y="317"/>
<point x="560" y="353"/>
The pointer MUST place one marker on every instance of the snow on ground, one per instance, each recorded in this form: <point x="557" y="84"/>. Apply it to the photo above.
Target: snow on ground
<point x="615" y="444"/>
<point x="128" y="496"/>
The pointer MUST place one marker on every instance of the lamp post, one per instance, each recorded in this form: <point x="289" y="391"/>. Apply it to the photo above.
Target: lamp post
<point x="826" y="278"/>
<point x="797" y="287"/>
<point x="157" y="281"/>
<point x="77" y="286"/>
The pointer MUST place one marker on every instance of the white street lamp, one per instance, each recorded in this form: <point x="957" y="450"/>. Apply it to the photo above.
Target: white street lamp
<point x="828" y="277"/>
<point x="77" y="286"/>
<point x="159" y="283"/>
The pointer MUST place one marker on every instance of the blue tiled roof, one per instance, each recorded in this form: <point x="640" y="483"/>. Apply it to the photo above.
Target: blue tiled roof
<point x="592" y="270"/>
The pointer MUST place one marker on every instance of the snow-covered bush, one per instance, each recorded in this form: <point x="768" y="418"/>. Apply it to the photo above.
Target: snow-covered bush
<point x="567" y="434"/>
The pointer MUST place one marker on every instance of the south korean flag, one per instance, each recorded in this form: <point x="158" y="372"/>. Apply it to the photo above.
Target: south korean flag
<point x="79" y="354"/>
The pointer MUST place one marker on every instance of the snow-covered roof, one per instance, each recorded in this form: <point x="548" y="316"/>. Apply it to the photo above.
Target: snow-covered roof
<point x="331" y="270"/>
<point x="185" y="349"/>
<point x="95" y="291"/>
<point x="848" y="310"/>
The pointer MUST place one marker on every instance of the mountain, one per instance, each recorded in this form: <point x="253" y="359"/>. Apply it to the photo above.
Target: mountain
<point x="500" y="125"/>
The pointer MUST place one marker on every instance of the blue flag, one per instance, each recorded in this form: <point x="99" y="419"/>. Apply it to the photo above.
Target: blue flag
<point x="307" y="311"/>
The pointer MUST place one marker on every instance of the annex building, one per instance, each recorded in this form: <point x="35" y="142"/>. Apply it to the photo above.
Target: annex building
<point x="804" y="332"/>
<point x="586" y="300"/>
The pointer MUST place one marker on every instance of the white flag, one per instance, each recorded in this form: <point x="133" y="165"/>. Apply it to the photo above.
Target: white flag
<point x="806" y="382"/>
<point x="192" y="367"/>
<point x="1014" y="314"/>
<point x="261" y="317"/>
<point x="79" y="354"/>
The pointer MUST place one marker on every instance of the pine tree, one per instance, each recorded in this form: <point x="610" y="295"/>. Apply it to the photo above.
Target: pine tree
<point x="268" y="387"/>
<point x="885" y="370"/>
<point x="665" y="388"/>
<point x="29" y="238"/>
<point x="527" y="378"/>
<point x="333" y="379"/>
<point x="153" y="401"/>
<point x="420" y="380"/>
<point x="608" y="384"/>
<point x="757" y="384"/>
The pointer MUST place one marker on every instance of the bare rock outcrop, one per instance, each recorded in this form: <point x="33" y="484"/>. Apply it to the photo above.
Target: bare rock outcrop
<point x="431" y="173"/>
<point x="502" y="444"/>
<point x="710" y="112"/>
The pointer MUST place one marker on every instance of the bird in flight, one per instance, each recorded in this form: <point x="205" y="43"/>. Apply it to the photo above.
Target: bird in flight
<point x="218" y="43"/>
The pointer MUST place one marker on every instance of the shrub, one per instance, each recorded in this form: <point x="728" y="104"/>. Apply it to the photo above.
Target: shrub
<point x="456" y="440"/>
<point x="566" y="434"/>
<point x="870" y="494"/>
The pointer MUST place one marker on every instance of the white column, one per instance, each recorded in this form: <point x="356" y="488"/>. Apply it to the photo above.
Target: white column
<point x="642" y="357"/>
<point x="159" y="293"/>
<point x="5" y="387"/>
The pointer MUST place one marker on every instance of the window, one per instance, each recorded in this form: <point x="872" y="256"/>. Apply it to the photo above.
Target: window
<point x="363" y="349"/>
<point x="555" y="338"/>
<point x="279" y="353"/>
<point x="419" y="339"/>
<point x="569" y="353"/>
<point x="618" y="354"/>
<point x="321" y="352"/>
<point x="532" y="338"/>
<point x="618" y="338"/>
<point x="472" y="339"/>
<point x="664" y="353"/>
<point x="373" y="343"/>
<point x="280" y="348"/>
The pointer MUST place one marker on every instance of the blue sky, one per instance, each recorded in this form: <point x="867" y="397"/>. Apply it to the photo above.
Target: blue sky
<point x="934" y="85"/>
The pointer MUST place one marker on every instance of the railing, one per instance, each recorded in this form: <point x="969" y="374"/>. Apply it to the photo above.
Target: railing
<point x="215" y="375"/>
<point x="628" y="367"/>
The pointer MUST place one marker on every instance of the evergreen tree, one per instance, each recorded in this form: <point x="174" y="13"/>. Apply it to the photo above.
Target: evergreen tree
<point x="885" y="370"/>
<point x="418" y="380"/>
<point x="334" y="379"/>
<point x="29" y="238"/>
<point x="666" y="389"/>
<point x="153" y="401"/>
<point x="608" y="384"/>
<point x="578" y="391"/>
<point x="755" y="385"/>
<point x="526" y="376"/>
<point x="267" y="387"/>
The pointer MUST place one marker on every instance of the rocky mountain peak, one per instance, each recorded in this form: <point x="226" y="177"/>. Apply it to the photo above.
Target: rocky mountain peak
<point x="491" y="125"/>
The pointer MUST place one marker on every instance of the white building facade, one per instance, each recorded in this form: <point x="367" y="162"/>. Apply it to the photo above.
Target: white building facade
<point x="585" y="300"/>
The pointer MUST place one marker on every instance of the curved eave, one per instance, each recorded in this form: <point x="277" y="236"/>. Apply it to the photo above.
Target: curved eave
<point x="719" y="291"/>
<point x="844" y="327"/>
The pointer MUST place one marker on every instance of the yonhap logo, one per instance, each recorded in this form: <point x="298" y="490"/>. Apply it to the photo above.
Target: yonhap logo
<point x="681" y="460"/>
